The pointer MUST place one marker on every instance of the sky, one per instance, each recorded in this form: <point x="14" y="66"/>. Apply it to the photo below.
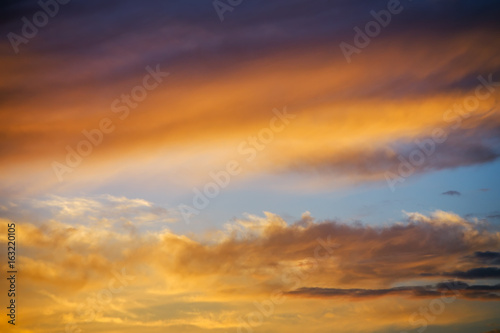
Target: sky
<point x="251" y="166"/>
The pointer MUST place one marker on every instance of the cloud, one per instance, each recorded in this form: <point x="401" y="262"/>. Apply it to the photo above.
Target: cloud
<point x="104" y="210"/>
<point x="446" y="289"/>
<point x="462" y="147"/>
<point x="451" y="193"/>
<point x="476" y="273"/>
<point x="353" y="123"/>
<point x="337" y="112"/>
<point x="488" y="257"/>
<point x="227" y="269"/>
<point x="265" y="249"/>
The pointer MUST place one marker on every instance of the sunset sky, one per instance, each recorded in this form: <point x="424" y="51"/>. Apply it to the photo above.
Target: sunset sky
<point x="251" y="166"/>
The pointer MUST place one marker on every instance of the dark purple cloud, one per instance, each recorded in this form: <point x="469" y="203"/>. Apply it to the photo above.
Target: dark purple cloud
<point x="462" y="147"/>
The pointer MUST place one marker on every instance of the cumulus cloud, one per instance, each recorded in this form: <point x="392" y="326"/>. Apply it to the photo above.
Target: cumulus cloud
<point x="269" y="250"/>
<point x="251" y="257"/>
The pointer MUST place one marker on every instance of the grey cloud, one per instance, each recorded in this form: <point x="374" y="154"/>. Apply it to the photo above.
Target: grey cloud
<point x="487" y="257"/>
<point x="452" y="193"/>
<point x="448" y="289"/>
<point x="462" y="147"/>
<point x="476" y="273"/>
